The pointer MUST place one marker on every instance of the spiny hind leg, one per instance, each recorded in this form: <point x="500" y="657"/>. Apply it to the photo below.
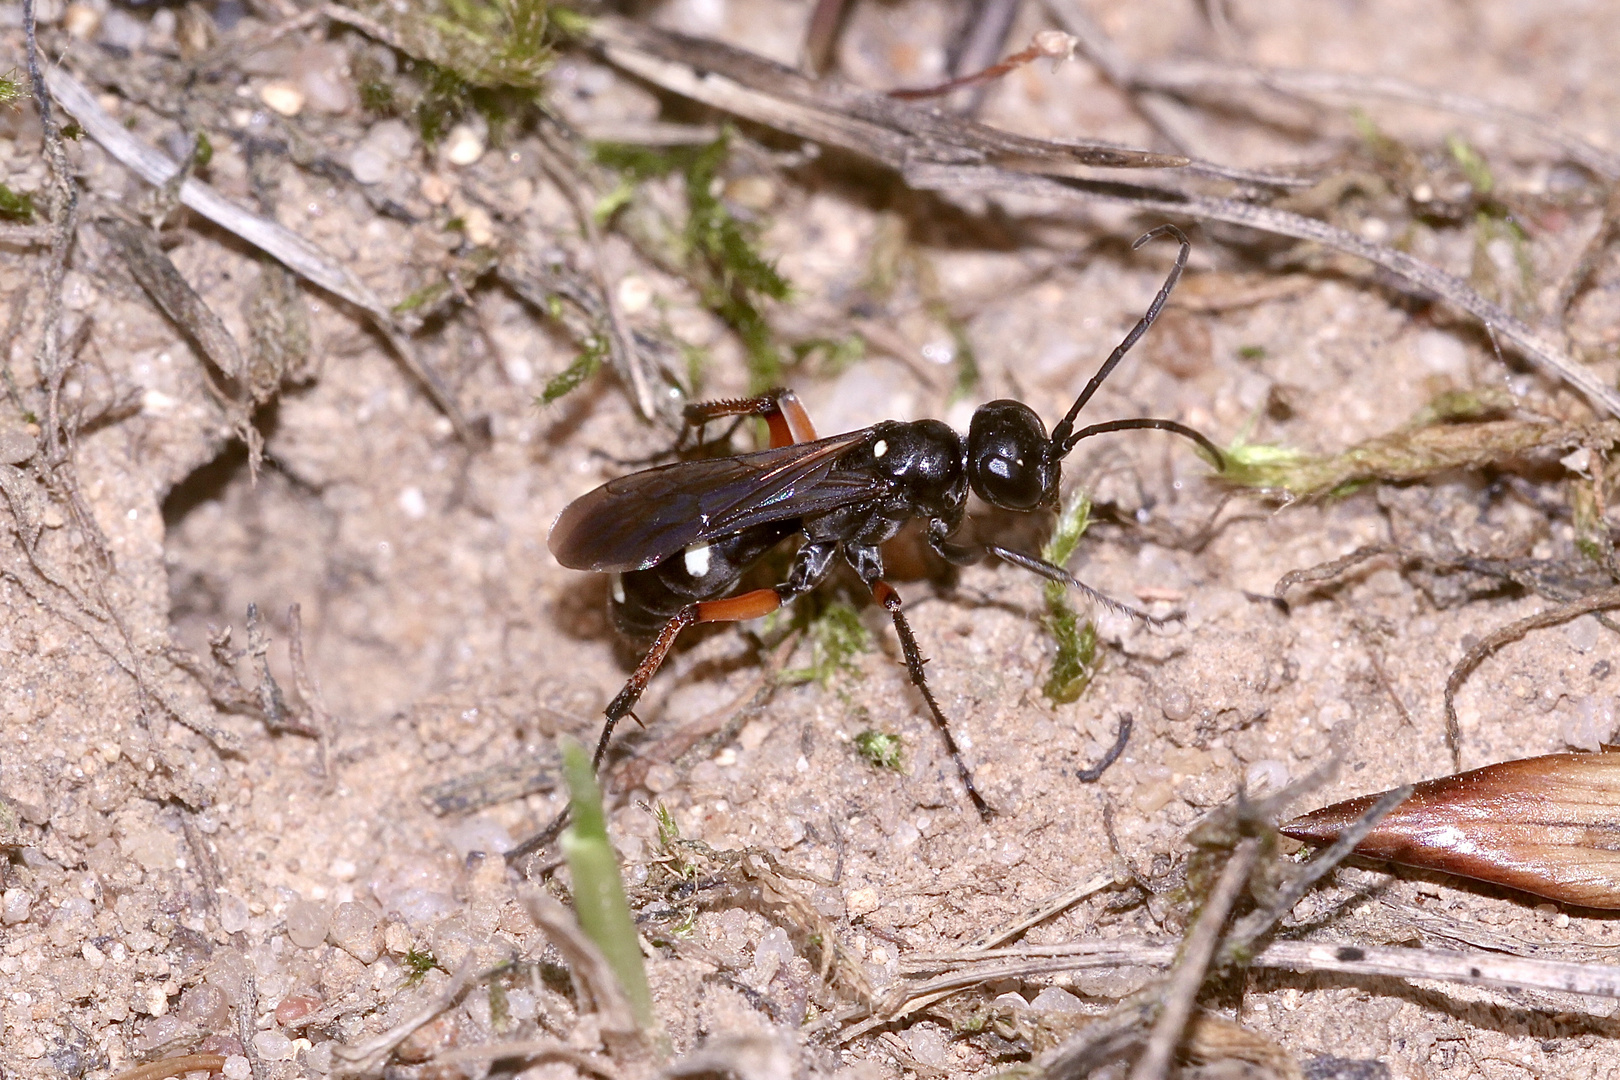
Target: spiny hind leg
<point x="780" y="408"/>
<point x="748" y="605"/>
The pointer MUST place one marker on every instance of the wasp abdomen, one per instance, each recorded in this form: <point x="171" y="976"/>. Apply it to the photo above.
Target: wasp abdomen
<point x="644" y="600"/>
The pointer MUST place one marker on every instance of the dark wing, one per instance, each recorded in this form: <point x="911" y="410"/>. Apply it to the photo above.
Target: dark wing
<point x="638" y="521"/>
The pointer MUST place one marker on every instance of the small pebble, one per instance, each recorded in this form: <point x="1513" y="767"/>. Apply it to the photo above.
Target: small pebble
<point x="385" y="147"/>
<point x="204" y="1006"/>
<point x="354" y="930"/>
<point x="1176" y="705"/>
<point x="319" y="70"/>
<point x="16" y="446"/>
<point x="233" y="915"/>
<point x="1269" y="774"/>
<point x="294" y="1007"/>
<point x="463" y="145"/>
<point x="1582" y="633"/>
<point x="157" y="1032"/>
<point x="928" y="1044"/>
<point x="635" y="295"/>
<point x="15" y="906"/>
<point x="237" y="1067"/>
<point x="282" y="97"/>
<point x="1057" y="999"/>
<point x="273" y="1046"/>
<point x="81" y="21"/>
<point x="478" y="225"/>
<point x="306" y="923"/>
<point x="435" y="189"/>
<point x="122" y="30"/>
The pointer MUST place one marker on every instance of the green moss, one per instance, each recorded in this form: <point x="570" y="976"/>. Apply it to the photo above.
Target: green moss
<point x="15" y="205"/>
<point x="1472" y="164"/>
<point x="669" y="831"/>
<point x="1432" y="442"/>
<point x="377" y="96"/>
<point x="880" y="749"/>
<point x="836" y="355"/>
<point x="1076" y="661"/>
<point x="418" y="962"/>
<point x="499" y="1010"/>
<point x="464" y="56"/>
<point x="584" y="366"/>
<point x="1252" y="352"/>
<point x="425" y="297"/>
<point x="483" y="43"/>
<point x="716" y="249"/>
<point x="10" y="87"/>
<point x="1591" y="528"/>
<point x="837" y="636"/>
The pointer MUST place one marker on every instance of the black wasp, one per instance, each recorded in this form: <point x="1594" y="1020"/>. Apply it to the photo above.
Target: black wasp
<point x="678" y="537"/>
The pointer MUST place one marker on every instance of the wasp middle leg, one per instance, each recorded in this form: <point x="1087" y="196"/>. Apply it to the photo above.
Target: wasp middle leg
<point x="868" y="563"/>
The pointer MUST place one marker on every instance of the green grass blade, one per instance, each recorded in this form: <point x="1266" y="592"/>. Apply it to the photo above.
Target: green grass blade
<point x="599" y="900"/>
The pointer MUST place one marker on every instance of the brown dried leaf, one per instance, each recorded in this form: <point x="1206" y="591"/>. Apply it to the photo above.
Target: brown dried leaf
<point x="1548" y="825"/>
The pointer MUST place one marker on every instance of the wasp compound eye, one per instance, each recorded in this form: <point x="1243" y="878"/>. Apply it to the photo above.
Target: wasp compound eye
<point x="1009" y="464"/>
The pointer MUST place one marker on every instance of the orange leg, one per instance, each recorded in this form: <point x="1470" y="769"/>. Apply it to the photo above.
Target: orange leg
<point x="782" y="410"/>
<point x="748" y="605"/>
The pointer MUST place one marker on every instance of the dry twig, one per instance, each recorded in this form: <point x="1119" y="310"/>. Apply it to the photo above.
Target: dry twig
<point x="1602" y="600"/>
<point x="367" y="1058"/>
<point x="937" y="152"/>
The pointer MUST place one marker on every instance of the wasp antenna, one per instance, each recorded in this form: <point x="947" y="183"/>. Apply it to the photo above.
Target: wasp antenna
<point x="1063" y="439"/>
<point x="1152" y="424"/>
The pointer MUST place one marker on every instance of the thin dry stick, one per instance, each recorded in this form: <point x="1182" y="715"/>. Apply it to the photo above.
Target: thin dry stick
<point x="1329" y="570"/>
<point x="320" y="718"/>
<point x="1256" y="925"/>
<point x="1040" y="912"/>
<point x="836" y="113"/>
<point x="1052" y="44"/>
<point x="594" y="980"/>
<point x="1180" y="76"/>
<point x="556" y="159"/>
<point x="938" y="152"/>
<point x="1181" y="993"/>
<point x="285" y="246"/>
<point x="367" y="1058"/>
<point x="1479" y="968"/>
<point x="906" y="1002"/>
<point x="175" y="1066"/>
<point x="534" y="1050"/>
<point x="1602" y="600"/>
<point x="1096" y="46"/>
<point x="13" y="233"/>
<point x="1422" y="277"/>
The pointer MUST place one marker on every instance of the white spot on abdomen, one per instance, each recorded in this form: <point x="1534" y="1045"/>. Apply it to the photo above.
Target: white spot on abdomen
<point x="880" y="448"/>
<point x="616" y="583"/>
<point x="697" y="560"/>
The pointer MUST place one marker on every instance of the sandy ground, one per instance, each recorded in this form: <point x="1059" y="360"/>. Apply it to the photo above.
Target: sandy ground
<point x="259" y="894"/>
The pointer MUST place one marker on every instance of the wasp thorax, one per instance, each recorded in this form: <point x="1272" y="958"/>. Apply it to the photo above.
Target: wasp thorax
<point x="1009" y="456"/>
